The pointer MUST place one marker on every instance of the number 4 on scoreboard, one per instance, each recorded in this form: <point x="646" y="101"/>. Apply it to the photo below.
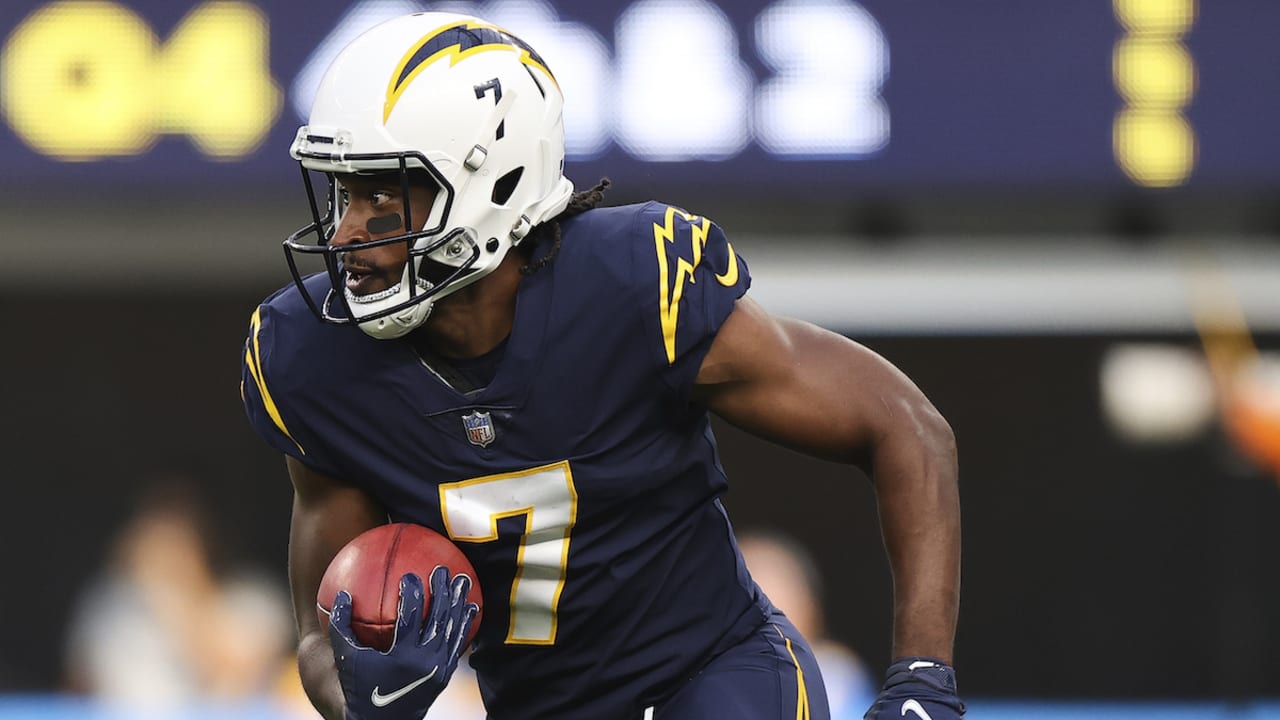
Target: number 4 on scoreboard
<point x="71" y="96"/>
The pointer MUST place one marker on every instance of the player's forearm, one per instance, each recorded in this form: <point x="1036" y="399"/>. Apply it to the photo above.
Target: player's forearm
<point x="320" y="676"/>
<point x="916" y="478"/>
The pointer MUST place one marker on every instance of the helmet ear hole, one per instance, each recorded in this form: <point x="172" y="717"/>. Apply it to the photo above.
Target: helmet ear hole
<point x="506" y="185"/>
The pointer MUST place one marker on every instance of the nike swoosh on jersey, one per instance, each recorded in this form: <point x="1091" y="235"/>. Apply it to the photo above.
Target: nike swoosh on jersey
<point x="380" y="700"/>
<point x="914" y="708"/>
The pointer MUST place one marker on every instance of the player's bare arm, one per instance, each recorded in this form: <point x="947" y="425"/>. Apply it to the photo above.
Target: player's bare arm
<point x="327" y="513"/>
<point x="817" y="392"/>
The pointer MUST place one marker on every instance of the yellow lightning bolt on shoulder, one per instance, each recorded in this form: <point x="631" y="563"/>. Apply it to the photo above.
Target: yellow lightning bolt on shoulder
<point x="669" y="292"/>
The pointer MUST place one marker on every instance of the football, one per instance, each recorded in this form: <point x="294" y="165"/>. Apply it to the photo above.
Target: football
<point x="370" y="567"/>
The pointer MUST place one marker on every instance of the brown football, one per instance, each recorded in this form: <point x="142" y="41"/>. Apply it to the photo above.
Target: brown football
<point x="370" y="567"/>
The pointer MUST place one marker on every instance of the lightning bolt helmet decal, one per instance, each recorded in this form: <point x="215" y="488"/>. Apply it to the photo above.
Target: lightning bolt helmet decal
<point x="457" y="41"/>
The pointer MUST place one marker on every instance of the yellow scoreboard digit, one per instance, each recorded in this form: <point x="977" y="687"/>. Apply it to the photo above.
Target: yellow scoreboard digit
<point x="1151" y="138"/>
<point x="81" y="80"/>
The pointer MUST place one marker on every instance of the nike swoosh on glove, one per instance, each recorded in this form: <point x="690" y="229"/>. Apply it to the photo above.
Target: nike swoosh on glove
<point x="918" y="688"/>
<point x="402" y="682"/>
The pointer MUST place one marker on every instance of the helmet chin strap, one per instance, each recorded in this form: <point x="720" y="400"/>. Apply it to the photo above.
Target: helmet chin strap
<point x="388" y="327"/>
<point x="398" y="324"/>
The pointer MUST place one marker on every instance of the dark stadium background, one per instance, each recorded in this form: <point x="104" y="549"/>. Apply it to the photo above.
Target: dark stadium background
<point x="1095" y="568"/>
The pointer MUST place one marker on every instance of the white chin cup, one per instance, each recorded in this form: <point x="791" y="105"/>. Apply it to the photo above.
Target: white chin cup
<point x="397" y="324"/>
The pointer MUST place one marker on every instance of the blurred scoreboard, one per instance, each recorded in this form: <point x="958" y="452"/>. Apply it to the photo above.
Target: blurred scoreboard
<point x="758" y="98"/>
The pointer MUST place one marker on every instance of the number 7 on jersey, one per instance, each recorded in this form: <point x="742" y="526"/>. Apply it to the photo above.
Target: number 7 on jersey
<point x="546" y="497"/>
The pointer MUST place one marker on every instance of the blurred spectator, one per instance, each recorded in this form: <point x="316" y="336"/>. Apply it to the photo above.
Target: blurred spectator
<point x="160" y="629"/>
<point x="786" y="573"/>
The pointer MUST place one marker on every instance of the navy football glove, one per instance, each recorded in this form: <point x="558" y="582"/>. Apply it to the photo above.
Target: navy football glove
<point x="918" y="688"/>
<point x="403" y="681"/>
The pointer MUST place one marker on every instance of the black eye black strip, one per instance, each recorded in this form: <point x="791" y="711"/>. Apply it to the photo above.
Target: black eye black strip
<point x="384" y="223"/>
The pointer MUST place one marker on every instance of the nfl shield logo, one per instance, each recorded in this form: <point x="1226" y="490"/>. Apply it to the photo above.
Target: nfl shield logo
<point x="479" y="428"/>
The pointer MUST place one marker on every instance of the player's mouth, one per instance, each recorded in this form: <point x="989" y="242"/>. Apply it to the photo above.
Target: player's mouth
<point x="363" y="279"/>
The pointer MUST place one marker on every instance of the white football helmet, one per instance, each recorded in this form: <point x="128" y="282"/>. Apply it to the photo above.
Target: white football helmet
<point x="469" y="103"/>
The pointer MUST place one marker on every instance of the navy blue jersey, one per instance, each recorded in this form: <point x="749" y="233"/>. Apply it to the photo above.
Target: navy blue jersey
<point x="581" y="482"/>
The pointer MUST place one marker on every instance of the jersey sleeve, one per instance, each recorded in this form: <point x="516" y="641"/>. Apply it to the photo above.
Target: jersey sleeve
<point x="266" y="403"/>
<point x="694" y="278"/>
<point x="259" y="403"/>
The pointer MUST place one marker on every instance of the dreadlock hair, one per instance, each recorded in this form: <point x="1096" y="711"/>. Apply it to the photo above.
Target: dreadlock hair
<point x="579" y="203"/>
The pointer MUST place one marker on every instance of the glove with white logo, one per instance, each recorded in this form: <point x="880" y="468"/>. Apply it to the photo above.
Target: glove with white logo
<point x="403" y="681"/>
<point x="918" y="688"/>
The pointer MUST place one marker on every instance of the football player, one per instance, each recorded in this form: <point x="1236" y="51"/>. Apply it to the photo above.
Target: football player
<point x="489" y="354"/>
